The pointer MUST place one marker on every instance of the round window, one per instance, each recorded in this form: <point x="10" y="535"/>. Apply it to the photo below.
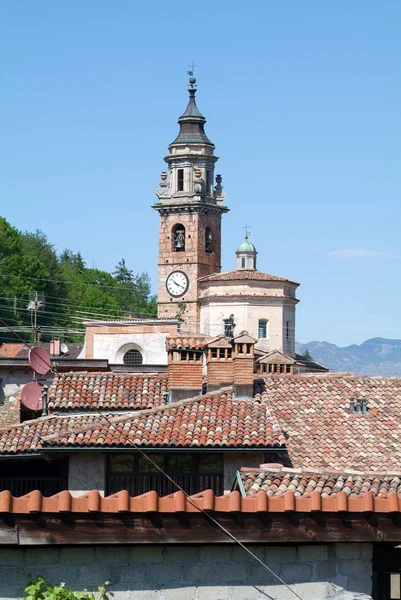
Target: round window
<point x="133" y="357"/>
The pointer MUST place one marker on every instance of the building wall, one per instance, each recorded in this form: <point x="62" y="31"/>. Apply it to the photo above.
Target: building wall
<point x="194" y="261"/>
<point x="11" y="384"/>
<point x="86" y="472"/>
<point x="233" y="461"/>
<point x="247" y="313"/>
<point x="289" y="341"/>
<point x="111" y="342"/>
<point x="199" y="572"/>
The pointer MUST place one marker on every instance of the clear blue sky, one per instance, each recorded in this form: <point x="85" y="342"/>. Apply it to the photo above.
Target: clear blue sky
<point x="302" y="101"/>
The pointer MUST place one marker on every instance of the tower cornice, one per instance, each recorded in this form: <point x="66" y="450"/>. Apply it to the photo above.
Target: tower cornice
<point x="187" y="207"/>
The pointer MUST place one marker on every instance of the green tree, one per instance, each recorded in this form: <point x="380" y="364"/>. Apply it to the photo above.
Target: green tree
<point x="72" y="292"/>
<point x="122" y="274"/>
<point x="307" y="355"/>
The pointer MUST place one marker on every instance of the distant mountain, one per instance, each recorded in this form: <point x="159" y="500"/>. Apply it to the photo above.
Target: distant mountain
<point x="377" y="356"/>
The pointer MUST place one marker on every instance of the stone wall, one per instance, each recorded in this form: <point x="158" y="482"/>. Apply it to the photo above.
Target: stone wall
<point x="314" y="572"/>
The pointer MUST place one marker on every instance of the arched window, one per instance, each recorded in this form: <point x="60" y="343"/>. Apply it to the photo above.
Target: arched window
<point x="208" y="240"/>
<point x="132" y="357"/>
<point x="178" y="238"/>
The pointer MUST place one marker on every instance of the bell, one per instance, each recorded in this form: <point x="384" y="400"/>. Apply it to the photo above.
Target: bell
<point x="179" y="240"/>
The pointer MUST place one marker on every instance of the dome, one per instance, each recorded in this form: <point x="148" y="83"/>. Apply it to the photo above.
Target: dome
<point x="246" y="247"/>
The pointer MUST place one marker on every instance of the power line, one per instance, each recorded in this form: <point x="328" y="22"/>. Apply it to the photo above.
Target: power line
<point x="106" y="286"/>
<point x="188" y="497"/>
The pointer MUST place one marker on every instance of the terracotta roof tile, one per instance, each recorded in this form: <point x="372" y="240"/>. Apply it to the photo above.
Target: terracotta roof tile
<point x="244" y="276"/>
<point x="14" y="350"/>
<point x="107" y="391"/>
<point x="150" y="502"/>
<point x="186" y="343"/>
<point x="313" y="411"/>
<point x="10" y="350"/>
<point x="278" y="481"/>
<point x="215" y="421"/>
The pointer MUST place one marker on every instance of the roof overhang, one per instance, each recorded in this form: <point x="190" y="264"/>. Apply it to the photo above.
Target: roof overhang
<point x="148" y="519"/>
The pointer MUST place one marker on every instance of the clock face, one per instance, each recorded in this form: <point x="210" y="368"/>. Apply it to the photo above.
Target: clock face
<point x="177" y="283"/>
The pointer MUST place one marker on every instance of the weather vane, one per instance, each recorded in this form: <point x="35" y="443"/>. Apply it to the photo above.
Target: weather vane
<point x="247" y="232"/>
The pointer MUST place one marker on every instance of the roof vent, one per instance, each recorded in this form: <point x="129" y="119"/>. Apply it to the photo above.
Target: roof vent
<point x="358" y="406"/>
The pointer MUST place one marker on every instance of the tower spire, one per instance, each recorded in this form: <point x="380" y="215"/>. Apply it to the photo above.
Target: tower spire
<point x="192" y="121"/>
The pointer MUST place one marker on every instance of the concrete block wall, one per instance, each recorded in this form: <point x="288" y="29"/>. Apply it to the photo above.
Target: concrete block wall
<point x="202" y="572"/>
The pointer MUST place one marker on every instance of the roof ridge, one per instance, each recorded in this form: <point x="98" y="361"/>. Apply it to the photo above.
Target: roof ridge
<point x="317" y="471"/>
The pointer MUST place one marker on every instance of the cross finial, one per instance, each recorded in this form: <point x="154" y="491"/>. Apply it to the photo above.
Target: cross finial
<point x="247" y="232"/>
<point x="192" y="79"/>
<point x="191" y="68"/>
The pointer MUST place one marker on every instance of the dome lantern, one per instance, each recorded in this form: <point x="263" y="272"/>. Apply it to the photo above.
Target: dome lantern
<point x="246" y="255"/>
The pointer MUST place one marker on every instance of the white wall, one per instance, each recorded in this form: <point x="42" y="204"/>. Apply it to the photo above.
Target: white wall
<point x="151" y="345"/>
<point x="247" y="314"/>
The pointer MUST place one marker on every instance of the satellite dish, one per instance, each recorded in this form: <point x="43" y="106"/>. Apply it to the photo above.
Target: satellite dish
<point x="64" y="349"/>
<point x="31" y="396"/>
<point x="39" y="360"/>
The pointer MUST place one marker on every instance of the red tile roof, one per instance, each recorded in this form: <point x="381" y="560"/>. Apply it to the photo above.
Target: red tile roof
<point x="244" y="276"/>
<point x="186" y="343"/>
<point x="150" y="502"/>
<point x="10" y="350"/>
<point x="313" y="412"/>
<point x="107" y="391"/>
<point x="15" y="350"/>
<point x="277" y="481"/>
<point x="211" y="421"/>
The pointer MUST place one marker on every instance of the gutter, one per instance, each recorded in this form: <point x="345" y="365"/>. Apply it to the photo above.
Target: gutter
<point x="157" y="449"/>
<point x="20" y="456"/>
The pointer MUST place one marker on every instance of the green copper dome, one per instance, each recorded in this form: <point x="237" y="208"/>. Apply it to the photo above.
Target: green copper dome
<point x="246" y="247"/>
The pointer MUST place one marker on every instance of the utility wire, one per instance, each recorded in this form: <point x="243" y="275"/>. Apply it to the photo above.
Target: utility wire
<point x="186" y="495"/>
<point x="189" y="498"/>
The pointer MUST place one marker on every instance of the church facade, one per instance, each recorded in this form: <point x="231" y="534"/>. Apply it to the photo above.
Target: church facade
<point x="194" y="296"/>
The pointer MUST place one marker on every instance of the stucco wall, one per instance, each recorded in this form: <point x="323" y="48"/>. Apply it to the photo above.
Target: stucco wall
<point x="246" y="317"/>
<point x="86" y="472"/>
<point x="151" y="345"/>
<point x="315" y="572"/>
<point x="233" y="461"/>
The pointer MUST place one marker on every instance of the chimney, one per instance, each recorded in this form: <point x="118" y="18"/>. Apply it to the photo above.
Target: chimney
<point x="352" y="404"/>
<point x="56" y="347"/>
<point x="219" y="363"/>
<point x="243" y="359"/>
<point x="44" y="401"/>
<point x="185" y="367"/>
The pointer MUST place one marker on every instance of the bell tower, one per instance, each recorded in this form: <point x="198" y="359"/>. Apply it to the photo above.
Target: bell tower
<point x="190" y="205"/>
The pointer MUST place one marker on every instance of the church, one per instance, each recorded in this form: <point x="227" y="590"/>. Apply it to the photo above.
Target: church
<point x="195" y="298"/>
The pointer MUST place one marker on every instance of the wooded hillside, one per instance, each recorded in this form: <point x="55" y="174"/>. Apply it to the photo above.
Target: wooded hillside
<point x="62" y="288"/>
